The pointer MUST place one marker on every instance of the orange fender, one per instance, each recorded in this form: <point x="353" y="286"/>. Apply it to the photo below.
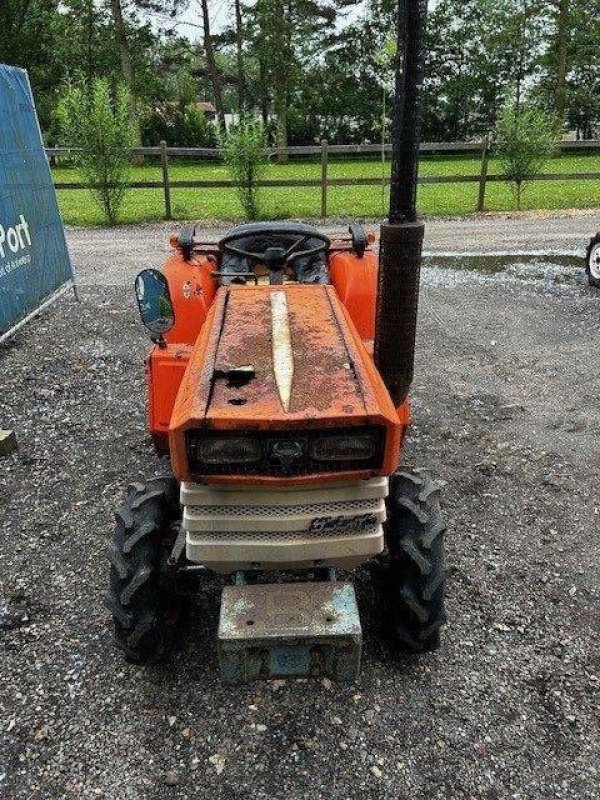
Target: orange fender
<point x="192" y="290"/>
<point x="355" y="281"/>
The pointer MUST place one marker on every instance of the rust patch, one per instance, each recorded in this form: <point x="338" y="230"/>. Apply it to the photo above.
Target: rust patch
<point x="322" y="385"/>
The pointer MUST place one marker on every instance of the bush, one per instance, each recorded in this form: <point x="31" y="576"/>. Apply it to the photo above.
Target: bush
<point x="245" y="150"/>
<point x="303" y="129"/>
<point x="178" y="127"/>
<point x="100" y="126"/>
<point x="525" y="139"/>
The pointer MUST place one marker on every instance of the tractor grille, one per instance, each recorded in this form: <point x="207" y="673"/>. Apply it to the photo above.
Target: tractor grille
<point x="246" y="517"/>
<point x="225" y="537"/>
<point x="275" y="526"/>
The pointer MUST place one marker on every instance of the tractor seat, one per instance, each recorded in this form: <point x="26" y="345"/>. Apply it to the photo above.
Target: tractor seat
<point x="259" y="236"/>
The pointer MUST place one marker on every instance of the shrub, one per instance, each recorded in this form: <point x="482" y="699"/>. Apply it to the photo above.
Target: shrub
<point x="303" y="128"/>
<point x="186" y="127"/>
<point x="100" y="125"/>
<point x="525" y="139"/>
<point x="245" y="151"/>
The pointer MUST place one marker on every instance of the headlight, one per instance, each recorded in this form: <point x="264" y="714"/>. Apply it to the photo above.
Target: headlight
<point x="229" y="450"/>
<point x="284" y="453"/>
<point x="344" y="447"/>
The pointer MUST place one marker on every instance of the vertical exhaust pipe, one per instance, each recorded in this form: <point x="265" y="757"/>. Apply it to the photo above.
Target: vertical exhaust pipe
<point x="401" y="238"/>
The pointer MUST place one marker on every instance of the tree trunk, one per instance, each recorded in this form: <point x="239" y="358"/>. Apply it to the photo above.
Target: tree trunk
<point x="280" y="84"/>
<point x="281" y="114"/>
<point x="562" y="27"/>
<point x="122" y="44"/>
<point x="241" y="85"/>
<point x="90" y="67"/>
<point x="126" y="68"/>
<point x="264" y="98"/>
<point x="520" y="76"/>
<point x="211" y="65"/>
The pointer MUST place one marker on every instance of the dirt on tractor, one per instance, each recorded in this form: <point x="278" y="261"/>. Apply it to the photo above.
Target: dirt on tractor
<point x="507" y="413"/>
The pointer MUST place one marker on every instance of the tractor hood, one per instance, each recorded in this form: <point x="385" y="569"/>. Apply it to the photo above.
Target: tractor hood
<point x="276" y="359"/>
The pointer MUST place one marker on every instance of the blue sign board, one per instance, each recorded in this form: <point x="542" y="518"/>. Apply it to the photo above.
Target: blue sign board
<point x="34" y="261"/>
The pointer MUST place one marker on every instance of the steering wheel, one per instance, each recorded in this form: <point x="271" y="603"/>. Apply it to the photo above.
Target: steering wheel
<point x="276" y="258"/>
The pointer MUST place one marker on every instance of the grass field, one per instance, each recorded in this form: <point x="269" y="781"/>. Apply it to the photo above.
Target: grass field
<point x="78" y="207"/>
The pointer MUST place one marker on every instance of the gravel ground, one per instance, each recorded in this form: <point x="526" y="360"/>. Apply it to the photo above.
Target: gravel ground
<point x="125" y="250"/>
<point x="507" y="412"/>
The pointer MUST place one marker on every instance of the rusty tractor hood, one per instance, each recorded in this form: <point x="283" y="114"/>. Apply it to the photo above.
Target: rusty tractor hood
<point x="278" y="358"/>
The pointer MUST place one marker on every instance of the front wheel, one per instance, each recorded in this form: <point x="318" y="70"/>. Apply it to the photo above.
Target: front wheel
<point x="148" y="614"/>
<point x="413" y="574"/>
<point x="592" y="263"/>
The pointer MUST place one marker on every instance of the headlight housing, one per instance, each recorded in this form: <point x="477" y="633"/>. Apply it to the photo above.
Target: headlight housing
<point x="215" y="450"/>
<point x="344" y="447"/>
<point x="285" y="453"/>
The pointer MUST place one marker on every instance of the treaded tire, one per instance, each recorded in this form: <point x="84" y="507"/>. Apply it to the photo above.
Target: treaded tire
<point x="148" y="615"/>
<point x="413" y="576"/>
<point x="593" y="251"/>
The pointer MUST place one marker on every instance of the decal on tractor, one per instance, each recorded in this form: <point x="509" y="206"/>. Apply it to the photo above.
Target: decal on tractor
<point x="324" y="524"/>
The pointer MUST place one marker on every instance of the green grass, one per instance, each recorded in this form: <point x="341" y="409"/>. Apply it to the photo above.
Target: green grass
<point x="78" y="207"/>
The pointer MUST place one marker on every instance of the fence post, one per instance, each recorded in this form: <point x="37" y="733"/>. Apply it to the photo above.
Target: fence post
<point x="324" y="177"/>
<point x="164" y="162"/>
<point x="485" y="160"/>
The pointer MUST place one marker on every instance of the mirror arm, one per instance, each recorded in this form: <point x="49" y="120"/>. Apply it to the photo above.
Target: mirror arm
<point x="159" y="340"/>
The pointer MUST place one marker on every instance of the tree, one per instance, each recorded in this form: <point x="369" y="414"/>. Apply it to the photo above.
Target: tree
<point x="337" y="95"/>
<point x="479" y="51"/>
<point x="277" y="60"/>
<point x="239" y="53"/>
<point x="245" y="150"/>
<point x="385" y="58"/>
<point x="525" y="140"/>
<point x="125" y="59"/>
<point x="310" y="67"/>
<point x="457" y="80"/>
<point x="211" y="65"/>
<point x="562" y="33"/>
<point x="31" y="33"/>
<point x="289" y="36"/>
<point x="583" y="75"/>
<point x="99" y="125"/>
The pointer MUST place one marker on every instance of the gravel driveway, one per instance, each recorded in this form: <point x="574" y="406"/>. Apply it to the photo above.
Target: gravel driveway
<point x="114" y="256"/>
<point x="507" y="412"/>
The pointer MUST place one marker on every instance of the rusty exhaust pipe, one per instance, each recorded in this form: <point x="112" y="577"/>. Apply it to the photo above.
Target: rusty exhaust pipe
<point x="401" y="238"/>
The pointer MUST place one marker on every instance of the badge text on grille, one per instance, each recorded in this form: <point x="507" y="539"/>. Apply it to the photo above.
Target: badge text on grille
<point x="342" y="522"/>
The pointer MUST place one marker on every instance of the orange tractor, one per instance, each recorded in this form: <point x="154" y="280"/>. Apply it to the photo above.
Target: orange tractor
<point x="278" y="385"/>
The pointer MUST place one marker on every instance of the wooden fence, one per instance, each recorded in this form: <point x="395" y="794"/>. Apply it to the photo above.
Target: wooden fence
<point x="324" y="151"/>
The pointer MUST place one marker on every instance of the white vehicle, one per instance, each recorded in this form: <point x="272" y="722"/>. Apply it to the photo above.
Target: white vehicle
<point x="592" y="261"/>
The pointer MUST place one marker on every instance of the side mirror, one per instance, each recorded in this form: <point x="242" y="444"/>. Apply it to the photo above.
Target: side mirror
<point x="154" y="301"/>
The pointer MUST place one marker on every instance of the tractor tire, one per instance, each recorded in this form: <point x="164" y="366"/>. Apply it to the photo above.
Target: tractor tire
<point x="148" y="614"/>
<point x="592" y="261"/>
<point x="412" y="577"/>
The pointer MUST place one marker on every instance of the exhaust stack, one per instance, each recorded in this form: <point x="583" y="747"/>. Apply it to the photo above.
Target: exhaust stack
<point x="401" y="238"/>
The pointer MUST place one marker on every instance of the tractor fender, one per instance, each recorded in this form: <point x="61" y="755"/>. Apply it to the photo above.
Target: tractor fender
<point x="192" y="288"/>
<point x="355" y="281"/>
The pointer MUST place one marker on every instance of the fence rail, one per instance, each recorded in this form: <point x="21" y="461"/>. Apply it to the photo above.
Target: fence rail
<point x="325" y="151"/>
<point x="427" y="148"/>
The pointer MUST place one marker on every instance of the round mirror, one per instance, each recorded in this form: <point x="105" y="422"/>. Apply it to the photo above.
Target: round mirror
<point x="154" y="301"/>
